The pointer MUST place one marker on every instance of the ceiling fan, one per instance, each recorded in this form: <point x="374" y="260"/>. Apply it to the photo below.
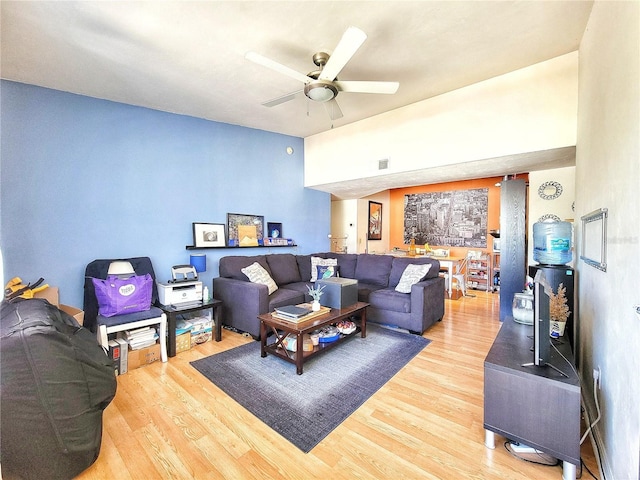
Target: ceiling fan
<point x="322" y="85"/>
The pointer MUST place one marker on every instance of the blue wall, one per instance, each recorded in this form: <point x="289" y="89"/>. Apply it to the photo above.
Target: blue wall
<point x="83" y="178"/>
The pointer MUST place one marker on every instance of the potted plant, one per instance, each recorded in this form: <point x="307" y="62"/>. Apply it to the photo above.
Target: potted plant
<point x="558" y="311"/>
<point x="315" y="292"/>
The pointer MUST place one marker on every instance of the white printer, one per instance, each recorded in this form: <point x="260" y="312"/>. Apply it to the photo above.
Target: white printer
<point x="183" y="289"/>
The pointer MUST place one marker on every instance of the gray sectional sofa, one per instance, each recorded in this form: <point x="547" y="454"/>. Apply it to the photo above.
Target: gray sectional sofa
<point x="377" y="277"/>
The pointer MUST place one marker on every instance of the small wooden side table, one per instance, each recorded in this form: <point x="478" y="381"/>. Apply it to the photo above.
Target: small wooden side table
<point x="173" y="311"/>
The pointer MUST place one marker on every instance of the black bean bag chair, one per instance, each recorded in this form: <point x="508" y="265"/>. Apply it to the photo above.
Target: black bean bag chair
<point x="56" y="382"/>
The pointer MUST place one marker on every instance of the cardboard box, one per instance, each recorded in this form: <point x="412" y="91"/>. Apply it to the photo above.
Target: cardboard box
<point x="74" y="312"/>
<point x="202" y="325"/>
<point x="52" y="295"/>
<point x="183" y="342"/>
<point x="338" y="292"/>
<point x="144" y="356"/>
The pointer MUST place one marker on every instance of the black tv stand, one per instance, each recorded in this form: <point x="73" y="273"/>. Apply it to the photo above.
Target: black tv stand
<point x="533" y="406"/>
<point x="531" y="364"/>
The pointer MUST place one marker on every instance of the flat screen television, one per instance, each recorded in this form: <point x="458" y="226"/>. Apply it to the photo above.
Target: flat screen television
<point x="541" y="339"/>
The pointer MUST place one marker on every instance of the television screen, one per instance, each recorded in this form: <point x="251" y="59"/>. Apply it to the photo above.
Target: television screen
<point x="541" y="341"/>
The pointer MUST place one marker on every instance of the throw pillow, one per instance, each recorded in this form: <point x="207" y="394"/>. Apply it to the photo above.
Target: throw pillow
<point x="411" y="275"/>
<point x="257" y="274"/>
<point x="315" y="261"/>
<point x="326" y="271"/>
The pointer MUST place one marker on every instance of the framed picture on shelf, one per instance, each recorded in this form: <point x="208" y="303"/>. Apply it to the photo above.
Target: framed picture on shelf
<point x="274" y="230"/>
<point x="245" y="230"/>
<point x="374" y="231"/>
<point x="209" y="235"/>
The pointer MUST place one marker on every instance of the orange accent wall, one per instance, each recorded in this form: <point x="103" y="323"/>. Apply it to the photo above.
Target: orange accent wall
<point x="396" y="201"/>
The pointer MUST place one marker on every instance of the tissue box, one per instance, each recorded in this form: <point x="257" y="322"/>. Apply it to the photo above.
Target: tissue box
<point x="183" y="342"/>
<point x="338" y="292"/>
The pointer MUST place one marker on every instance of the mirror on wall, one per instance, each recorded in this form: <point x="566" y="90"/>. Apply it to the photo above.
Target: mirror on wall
<point x="593" y="249"/>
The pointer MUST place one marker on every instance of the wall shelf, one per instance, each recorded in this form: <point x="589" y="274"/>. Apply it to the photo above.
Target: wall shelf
<point x="479" y="272"/>
<point x="191" y="247"/>
<point x="496" y="271"/>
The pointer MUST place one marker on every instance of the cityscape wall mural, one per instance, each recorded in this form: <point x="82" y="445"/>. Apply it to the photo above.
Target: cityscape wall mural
<point x="455" y="219"/>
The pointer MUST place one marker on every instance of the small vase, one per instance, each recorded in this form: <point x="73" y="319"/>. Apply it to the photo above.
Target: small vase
<point x="556" y="329"/>
<point x="315" y="306"/>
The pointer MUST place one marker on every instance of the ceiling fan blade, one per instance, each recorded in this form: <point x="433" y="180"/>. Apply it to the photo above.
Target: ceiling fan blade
<point x="278" y="67"/>
<point x="350" y="42"/>
<point x="282" y="99"/>
<point x="333" y="109"/>
<point x="367" y="87"/>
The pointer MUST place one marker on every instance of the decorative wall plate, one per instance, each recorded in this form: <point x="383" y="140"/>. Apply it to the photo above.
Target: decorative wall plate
<point x="550" y="217"/>
<point x="550" y="190"/>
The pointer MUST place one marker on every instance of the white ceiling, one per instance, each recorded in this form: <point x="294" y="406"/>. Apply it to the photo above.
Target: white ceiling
<point x="188" y="57"/>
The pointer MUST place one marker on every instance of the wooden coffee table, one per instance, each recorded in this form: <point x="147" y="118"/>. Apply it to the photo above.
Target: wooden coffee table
<point x="283" y="328"/>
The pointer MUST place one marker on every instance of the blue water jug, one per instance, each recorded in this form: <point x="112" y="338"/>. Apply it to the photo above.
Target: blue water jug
<point x="552" y="243"/>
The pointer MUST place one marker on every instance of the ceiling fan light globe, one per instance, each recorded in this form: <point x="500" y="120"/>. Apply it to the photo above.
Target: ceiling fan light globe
<point x="320" y="91"/>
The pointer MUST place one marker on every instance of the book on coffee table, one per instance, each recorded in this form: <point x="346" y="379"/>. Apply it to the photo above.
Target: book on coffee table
<point x="293" y="312"/>
<point x="303" y="318"/>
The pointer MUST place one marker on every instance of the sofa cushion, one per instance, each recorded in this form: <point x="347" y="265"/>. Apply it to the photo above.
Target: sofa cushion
<point x="389" y="299"/>
<point x="284" y="268"/>
<point x="304" y="267"/>
<point x="373" y="269"/>
<point x="365" y="289"/>
<point x="327" y="271"/>
<point x="231" y="266"/>
<point x="347" y="263"/>
<point x="300" y="287"/>
<point x="257" y="274"/>
<point x="315" y="261"/>
<point x="400" y="263"/>
<point x="412" y="275"/>
<point x="284" y="296"/>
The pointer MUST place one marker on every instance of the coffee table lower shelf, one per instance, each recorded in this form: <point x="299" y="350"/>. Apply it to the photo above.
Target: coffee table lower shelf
<point x="282" y="328"/>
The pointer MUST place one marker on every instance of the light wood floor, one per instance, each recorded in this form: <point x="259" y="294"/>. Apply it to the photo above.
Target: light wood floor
<point x="167" y="421"/>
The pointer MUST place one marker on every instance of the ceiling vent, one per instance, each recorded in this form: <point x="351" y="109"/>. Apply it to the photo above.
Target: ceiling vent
<point x="383" y="164"/>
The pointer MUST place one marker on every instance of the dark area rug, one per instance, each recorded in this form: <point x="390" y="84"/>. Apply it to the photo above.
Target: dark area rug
<point x="306" y="408"/>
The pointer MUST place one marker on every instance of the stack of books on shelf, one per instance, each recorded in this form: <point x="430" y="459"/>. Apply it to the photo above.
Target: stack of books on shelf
<point x="141" y="337"/>
<point x="277" y="241"/>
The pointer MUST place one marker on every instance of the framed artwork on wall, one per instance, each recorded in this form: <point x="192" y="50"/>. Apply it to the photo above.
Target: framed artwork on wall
<point x="209" y="235"/>
<point x="374" y="232"/>
<point x="245" y="230"/>
<point x="456" y="218"/>
<point x="274" y="230"/>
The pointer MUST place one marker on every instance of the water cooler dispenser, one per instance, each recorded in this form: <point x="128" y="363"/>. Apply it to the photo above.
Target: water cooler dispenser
<point x="552" y="249"/>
